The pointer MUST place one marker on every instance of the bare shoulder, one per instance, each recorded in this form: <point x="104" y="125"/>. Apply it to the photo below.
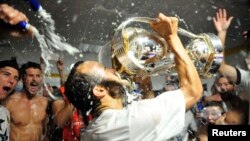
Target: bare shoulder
<point x="43" y="98"/>
<point x="14" y="97"/>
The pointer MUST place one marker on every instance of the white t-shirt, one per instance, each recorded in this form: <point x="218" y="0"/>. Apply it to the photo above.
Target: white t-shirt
<point x="245" y="83"/>
<point x="155" y="119"/>
<point x="4" y="124"/>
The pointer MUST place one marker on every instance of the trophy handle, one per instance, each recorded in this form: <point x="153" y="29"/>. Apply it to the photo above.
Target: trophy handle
<point x="137" y="19"/>
<point x="149" y="20"/>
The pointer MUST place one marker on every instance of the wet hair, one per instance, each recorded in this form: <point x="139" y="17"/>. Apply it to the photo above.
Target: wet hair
<point x="10" y="63"/>
<point x="28" y="65"/>
<point x="78" y="90"/>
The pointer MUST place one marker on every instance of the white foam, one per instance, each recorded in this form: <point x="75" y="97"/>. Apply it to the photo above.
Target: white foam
<point x="52" y="39"/>
<point x="45" y="51"/>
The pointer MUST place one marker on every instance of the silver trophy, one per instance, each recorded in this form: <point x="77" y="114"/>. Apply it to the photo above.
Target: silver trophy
<point x="138" y="50"/>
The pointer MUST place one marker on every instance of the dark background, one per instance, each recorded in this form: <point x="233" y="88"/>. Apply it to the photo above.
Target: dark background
<point x="90" y="24"/>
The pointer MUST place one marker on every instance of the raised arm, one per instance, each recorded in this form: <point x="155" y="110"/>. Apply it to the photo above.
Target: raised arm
<point x="60" y="68"/>
<point x="221" y="24"/>
<point x="62" y="108"/>
<point x="190" y="82"/>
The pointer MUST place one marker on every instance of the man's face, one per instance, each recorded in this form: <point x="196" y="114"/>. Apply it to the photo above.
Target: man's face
<point x="32" y="80"/>
<point x="97" y="69"/>
<point x="8" y="81"/>
<point x="223" y="85"/>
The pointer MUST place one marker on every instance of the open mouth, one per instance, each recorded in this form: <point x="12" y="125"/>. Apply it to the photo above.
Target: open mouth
<point x="6" y="88"/>
<point x="34" y="87"/>
<point x="34" y="84"/>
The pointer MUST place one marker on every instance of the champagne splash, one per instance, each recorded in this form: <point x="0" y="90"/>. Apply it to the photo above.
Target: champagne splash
<point x="45" y="51"/>
<point x="52" y="39"/>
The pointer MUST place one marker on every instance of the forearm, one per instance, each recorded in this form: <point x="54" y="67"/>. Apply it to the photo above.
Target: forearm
<point x="190" y="82"/>
<point x="225" y="69"/>
<point x="228" y="71"/>
<point x="222" y="37"/>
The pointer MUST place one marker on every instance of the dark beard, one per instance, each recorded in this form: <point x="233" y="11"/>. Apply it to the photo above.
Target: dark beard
<point x="28" y="94"/>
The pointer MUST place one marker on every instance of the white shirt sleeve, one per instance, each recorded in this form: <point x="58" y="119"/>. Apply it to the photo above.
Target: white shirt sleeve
<point x="245" y="79"/>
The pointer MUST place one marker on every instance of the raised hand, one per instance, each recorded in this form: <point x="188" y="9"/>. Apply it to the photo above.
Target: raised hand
<point x="221" y="21"/>
<point x="60" y="65"/>
<point x="165" y="26"/>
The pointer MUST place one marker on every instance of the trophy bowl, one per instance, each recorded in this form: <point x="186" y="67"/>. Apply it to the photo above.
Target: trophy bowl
<point x="206" y="52"/>
<point x="138" y="50"/>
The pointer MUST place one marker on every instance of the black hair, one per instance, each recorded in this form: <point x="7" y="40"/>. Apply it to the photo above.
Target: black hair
<point x="78" y="90"/>
<point x="10" y="63"/>
<point x="27" y="65"/>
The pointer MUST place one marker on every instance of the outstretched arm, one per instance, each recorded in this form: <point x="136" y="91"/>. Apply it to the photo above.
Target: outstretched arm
<point x="190" y="82"/>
